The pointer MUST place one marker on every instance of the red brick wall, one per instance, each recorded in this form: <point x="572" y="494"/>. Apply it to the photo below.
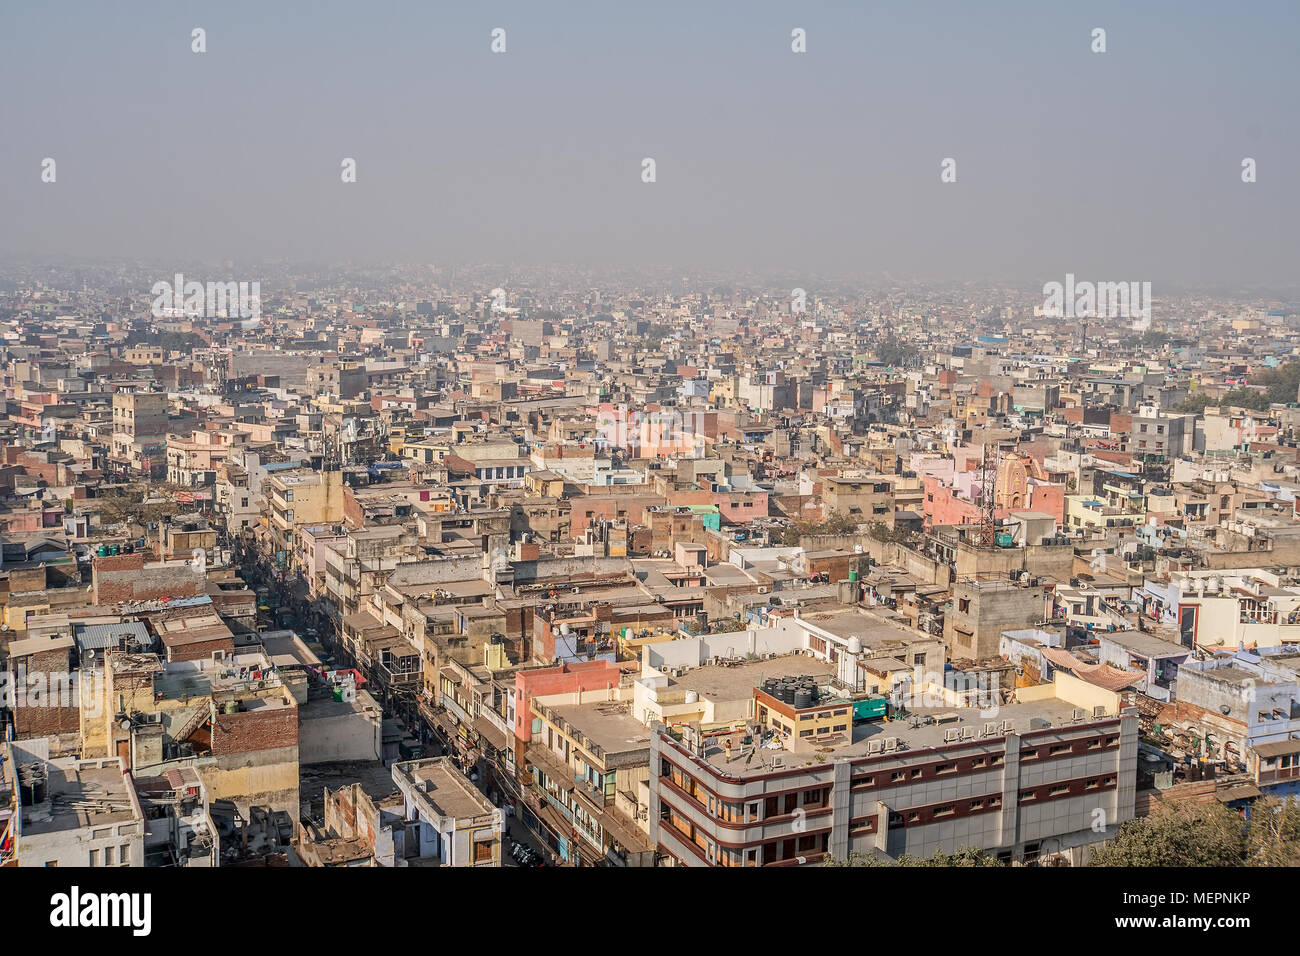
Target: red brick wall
<point x="42" y="713"/>
<point x="255" y="730"/>
<point x="124" y="578"/>
<point x="201" y="651"/>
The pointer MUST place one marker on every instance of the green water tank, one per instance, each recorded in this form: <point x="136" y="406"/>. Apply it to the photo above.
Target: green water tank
<point x="853" y="574"/>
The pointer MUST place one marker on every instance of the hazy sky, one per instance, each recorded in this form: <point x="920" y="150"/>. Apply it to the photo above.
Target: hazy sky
<point x="1115" y="166"/>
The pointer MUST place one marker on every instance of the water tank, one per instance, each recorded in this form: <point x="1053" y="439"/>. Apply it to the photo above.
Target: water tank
<point x="853" y="574"/>
<point x="803" y="698"/>
<point x="114" y="549"/>
<point x="692" y="697"/>
<point x="32" y="784"/>
<point x="855" y="645"/>
<point x="102" y="551"/>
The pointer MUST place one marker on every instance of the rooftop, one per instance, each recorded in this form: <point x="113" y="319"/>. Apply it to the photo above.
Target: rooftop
<point x="80" y="794"/>
<point x="722" y="683"/>
<point x="921" y="729"/>
<point x="437" y="782"/>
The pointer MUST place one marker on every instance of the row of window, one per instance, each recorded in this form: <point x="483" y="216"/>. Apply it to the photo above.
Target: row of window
<point x="111" y="856"/>
<point x="911" y="774"/>
<point x="738" y="812"/>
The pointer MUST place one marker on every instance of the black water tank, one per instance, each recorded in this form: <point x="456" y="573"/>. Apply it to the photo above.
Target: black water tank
<point x="32" y="783"/>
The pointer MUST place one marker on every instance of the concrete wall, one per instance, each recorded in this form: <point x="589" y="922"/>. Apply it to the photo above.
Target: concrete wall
<point x="333" y="733"/>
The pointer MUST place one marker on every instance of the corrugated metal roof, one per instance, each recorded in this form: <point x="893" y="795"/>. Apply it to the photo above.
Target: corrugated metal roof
<point x="101" y="636"/>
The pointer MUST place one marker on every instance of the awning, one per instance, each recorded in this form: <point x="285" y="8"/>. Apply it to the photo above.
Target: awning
<point x="489" y="732"/>
<point x="1100" y="675"/>
<point x="1277" y="749"/>
<point x="561" y="775"/>
<point x="555" y="821"/>
<point x="1242" y="791"/>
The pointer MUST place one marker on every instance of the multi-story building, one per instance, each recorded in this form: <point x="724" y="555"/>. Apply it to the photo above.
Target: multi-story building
<point x="301" y="497"/>
<point x="448" y="820"/>
<point x="1045" y="777"/>
<point x="70" y="812"/>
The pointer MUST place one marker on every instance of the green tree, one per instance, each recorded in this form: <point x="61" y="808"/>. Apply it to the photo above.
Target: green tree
<point x="1200" y="834"/>
<point x="1282" y="383"/>
<point x="966" y="856"/>
<point x="1274" y="835"/>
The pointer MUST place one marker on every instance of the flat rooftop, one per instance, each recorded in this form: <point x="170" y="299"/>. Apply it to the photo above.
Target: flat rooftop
<point x="609" y="725"/>
<point x="918" y="731"/>
<point x="720" y="683"/>
<point x="437" y="782"/>
<point x="1144" y="645"/>
<point x="874" y="630"/>
<point x="80" y="796"/>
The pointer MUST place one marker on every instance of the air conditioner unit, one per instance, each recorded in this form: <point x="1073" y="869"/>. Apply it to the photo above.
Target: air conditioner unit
<point x="762" y="590"/>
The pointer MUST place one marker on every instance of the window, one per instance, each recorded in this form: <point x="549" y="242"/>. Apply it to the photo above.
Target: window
<point x="945" y="768"/>
<point x="1059" y="790"/>
<point x="946" y="810"/>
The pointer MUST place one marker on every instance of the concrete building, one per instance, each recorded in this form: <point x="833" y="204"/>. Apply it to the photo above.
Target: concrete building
<point x="1048" y="776"/>
<point x="983" y="608"/>
<point x="448" y="822"/>
<point x="70" y="812"/>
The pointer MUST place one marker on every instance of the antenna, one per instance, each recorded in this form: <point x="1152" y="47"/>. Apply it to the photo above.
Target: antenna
<point x="988" y="492"/>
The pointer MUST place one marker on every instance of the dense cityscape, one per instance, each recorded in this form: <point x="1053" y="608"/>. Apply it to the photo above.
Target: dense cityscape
<point x="576" y="441"/>
<point x="434" y="566"/>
